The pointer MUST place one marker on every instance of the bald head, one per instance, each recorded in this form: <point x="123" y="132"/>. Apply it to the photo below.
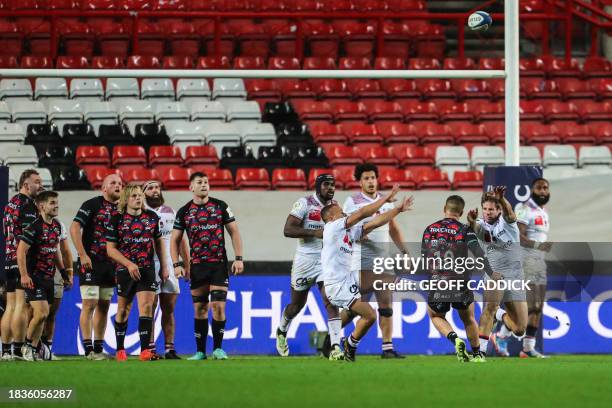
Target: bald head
<point x="111" y="187"/>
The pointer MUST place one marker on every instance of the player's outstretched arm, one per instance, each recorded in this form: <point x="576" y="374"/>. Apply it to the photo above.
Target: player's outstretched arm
<point x="507" y="211"/>
<point x="472" y="216"/>
<point x="293" y="229"/>
<point x="238" y="264"/>
<point x="382" y="219"/>
<point x="371" y="209"/>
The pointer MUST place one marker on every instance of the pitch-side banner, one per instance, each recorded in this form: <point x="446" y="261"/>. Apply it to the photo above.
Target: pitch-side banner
<point x="255" y="304"/>
<point x="517" y="179"/>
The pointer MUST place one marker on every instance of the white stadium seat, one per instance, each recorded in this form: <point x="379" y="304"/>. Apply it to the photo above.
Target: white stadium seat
<point x="452" y="158"/>
<point x="28" y="112"/>
<point x="189" y="91"/>
<point x="166" y="112"/>
<point x="86" y="89"/>
<point x="208" y="111"/>
<point x="229" y="88"/>
<point x="16" y="170"/>
<point x="157" y="88"/>
<point x="100" y="113"/>
<point x="11" y="133"/>
<point x="16" y="154"/>
<point x="50" y="88"/>
<point x="122" y="88"/>
<point x="5" y="112"/>
<point x="15" y="89"/>
<point x="560" y="161"/>
<point x="221" y="135"/>
<point x="255" y="135"/>
<point x="530" y="156"/>
<point x="184" y="132"/>
<point x="595" y="159"/>
<point x="134" y="111"/>
<point x="487" y="156"/>
<point x="242" y="110"/>
<point x="65" y="111"/>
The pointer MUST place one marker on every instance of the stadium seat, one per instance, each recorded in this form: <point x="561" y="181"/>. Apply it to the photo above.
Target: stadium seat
<point x="559" y="155"/>
<point x="558" y="110"/>
<point x="530" y="156"/>
<point x="16" y="171"/>
<point x="208" y="111"/>
<point x="469" y="88"/>
<point x="150" y="134"/>
<point x="246" y="62"/>
<point x="572" y="88"/>
<point x="424" y="63"/>
<point x="319" y="63"/>
<point x="257" y="135"/>
<point x="491" y="63"/>
<point x="5" y="112"/>
<point x="283" y="179"/>
<point x="532" y="110"/>
<point x="71" y="178"/>
<point x="165" y="155"/>
<point x="347" y="110"/>
<point x="602" y="87"/>
<point x="467" y="180"/>
<point x="234" y="157"/>
<point x="458" y="63"/>
<point x="426" y="178"/>
<point x="65" y="111"/>
<point x="157" y="88"/>
<point x="108" y="61"/>
<point x="251" y="178"/>
<point x="388" y="177"/>
<point x="590" y="110"/>
<point x="591" y="156"/>
<point x="396" y="132"/>
<point x="28" y="112"/>
<point x="243" y="110"/>
<point x="122" y="88"/>
<point x="184" y="132"/>
<point x="92" y="155"/>
<point x="15" y="89"/>
<point x="219" y="179"/>
<point x="228" y="88"/>
<point x="409" y="155"/>
<point x="133" y="112"/>
<point x="192" y="90"/>
<point x="115" y="135"/>
<point x="283" y="63"/>
<point x="531" y="67"/>
<point x="487" y="156"/>
<point x="535" y="132"/>
<point x="96" y="175"/>
<point x="36" y="61"/>
<point x="572" y="132"/>
<point x="170" y="111"/>
<point x="54" y="155"/>
<point x="313" y="110"/>
<point x="177" y="62"/>
<point x="221" y="135"/>
<point x="325" y="132"/>
<point x="434" y="88"/>
<point x="138" y="175"/>
<point x="79" y="134"/>
<point x="390" y="63"/>
<point x="11" y="40"/>
<point x="559" y="67"/>
<point x="71" y="62"/>
<point x="295" y="88"/>
<point x="50" y="88"/>
<point x="534" y="88"/>
<point x="328" y="88"/>
<point x="358" y="132"/>
<point x="354" y="63"/>
<point x="343" y="155"/>
<point x="321" y="38"/>
<point x="596" y="66"/>
<point x="364" y="88"/>
<point x="100" y="113"/>
<point x="173" y="177"/>
<point x="11" y="133"/>
<point x="16" y="154"/>
<point x="379" y="155"/>
<point x="602" y="131"/>
<point x="397" y="88"/>
<point x="214" y="62"/>
<point x="430" y="132"/>
<point x="129" y="155"/>
<point x="42" y="134"/>
<point x="452" y="158"/>
<point x="450" y="110"/>
<point x="86" y="89"/>
<point x="465" y="132"/>
<point x="195" y="155"/>
<point x="381" y="110"/>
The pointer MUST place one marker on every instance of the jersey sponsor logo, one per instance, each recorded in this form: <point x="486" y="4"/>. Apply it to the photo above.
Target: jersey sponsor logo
<point x="354" y="289"/>
<point x="314" y="215"/>
<point x="304" y="281"/>
<point x="539" y="220"/>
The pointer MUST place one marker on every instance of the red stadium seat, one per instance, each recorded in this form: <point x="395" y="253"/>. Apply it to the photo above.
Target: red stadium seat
<point x="596" y="67"/>
<point x="430" y="132"/>
<point x="37" y="33"/>
<point x="399" y="88"/>
<point x="177" y="62"/>
<point x="214" y="62"/>
<point x="467" y="180"/>
<point x="201" y="155"/>
<point x="459" y="63"/>
<point x="396" y="132"/>
<point x="389" y="177"/>
<point x="379" y="155"/>
<point x="36" y="61"/>
<point x="572" y="88"/>
<point x="532" y="88"/>
<point x="558" y="67"/>
<point x="390" y="63"/>
<point x="8" y="61"/>
<point x="424" y="63"/>
<point x="313" y="110"/>
<point x="491" y="63"/>
<point x="589" y="110"/>
<point x="96" y="175"/>
<point x="532" y="110"/>
<point x="413" y="155"/>
<point x="380" y="109"/>
<point x="138" y="175"/>
<point x="249" y="63"/>
<point x="450" y="110"/>
<point x="113" y="38"/>
<point x="71" y="62"/>
<point x="295" y="88"/>
<point x="325" y="132"/>
<point x="283" y="63"/>
<point x="430" y="40"/>
<point x="251" y="178"/>
<point x="557" y="110"/>
<point x="354" y="63"/>
<point x="602" y="87"/>
<point x="465" y="132"/>
<point x="347" y="110"/>
<point x="99" y="5"/>
<point x="364" y="88"/>
<point x="283" y="179"/>
<point x="469" y="88"/>
<point x="132" y="155"/>
<point x="533" y="67"/>
<point x="496" y="87"/>
<point x="495" y="131"/>
<point x="415" y="110"/>
<point x="319" y="63"/>
<point x="329" y="88"/>
<point x="430" y="178"/>
<point x="183" y="37"/>
<point x="135" y="4"/>
<point x="174" y="177"/>
<point x="534" y="132"/>
<point x="405" y="5"/>
<point x="106" y="62"/>
<point x="483" y="111"/>
<point x="151" y="39"/>
<point x="11" y="40"/>
<point x="357" y="38"/>
<point x="263" y="89"/>
<point x="396" y="45"/>
<point x="165" y="155"/>
<point x="572" y="132"/>
<point x="219" y="179"/>
<point x="143" y="62"/>
<point x="339" y="155"/>
<point x="602" y="131"/>
<point x="434" y="88"/>
<point x="88" y="155"/>
<point x="357" y="132"/>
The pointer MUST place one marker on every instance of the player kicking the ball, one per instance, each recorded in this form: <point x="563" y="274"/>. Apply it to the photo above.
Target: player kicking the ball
<point x="304" y="222"/>
<point x="133" y="238"/>
<point x="341" y="286"/>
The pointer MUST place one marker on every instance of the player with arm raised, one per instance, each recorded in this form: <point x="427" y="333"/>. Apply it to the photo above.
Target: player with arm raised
<point x="449" y="239"/>
<point x="533" y="223"/>
<point x="339" y="234"/>
<point x="499" y="233"/>
<point x="304" y="222"/>
<point x="38" y="257"/>
<point x="204" y="219"/>
<point x="96" y="271"/>
<point x="18" y="213"/>
<point x="133" y="239"/>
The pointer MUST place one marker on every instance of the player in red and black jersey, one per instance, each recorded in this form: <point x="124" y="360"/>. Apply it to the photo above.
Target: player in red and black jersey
<point x="96" y="271"/>
<point x="444" y="243"/>
<point x="18" y="213"/>
<point x="38" y="256"/>
<point x="133" y="239"/>
<point x="203" y="219"/>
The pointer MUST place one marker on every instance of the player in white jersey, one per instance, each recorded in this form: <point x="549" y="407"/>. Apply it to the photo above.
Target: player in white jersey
<point x="340" y="233"/>
<point x="304" y="222"/>
<point x="62" y="281"/>
<point x="376" y="245"/>
<point x="167" y="291"/>
<point x="498" y="232"/>
<point x="533" y="226"/>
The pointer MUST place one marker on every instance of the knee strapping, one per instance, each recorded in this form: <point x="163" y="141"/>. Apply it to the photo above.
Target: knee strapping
<point x="218" y="296"/>
<point x="200" y="299"/>
<point x="385" y="312"/>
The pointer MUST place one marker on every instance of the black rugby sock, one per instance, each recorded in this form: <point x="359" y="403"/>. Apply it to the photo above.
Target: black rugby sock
<point x="98" y="346"/>
<point x="452" y="336"/>
<point x="144" y="330"/>
<point x="201" y="333"/>
<point x="120" y="329"/>
<point x="218" y="329"/>
<point x="87" y="346"/>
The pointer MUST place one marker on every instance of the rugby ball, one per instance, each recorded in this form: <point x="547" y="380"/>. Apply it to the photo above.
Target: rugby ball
<point x="479" y="21"/>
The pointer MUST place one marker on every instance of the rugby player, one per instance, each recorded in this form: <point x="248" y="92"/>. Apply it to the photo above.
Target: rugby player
<point x="96" y="271"/>
<point x="533" y="223"/>
<point x="449" y="238"/>
<point x="18" y="213"/>
<point x="499" y="233"/>
<point x="38" y="256"/>
<point x="62" y="280"/>
<point x="375" y="245"/>
<point x="341" y="286"/>
<point x="133" y="239"/>
<point x="203" y="219"/>
<point x="304" y="222"/>
<point x="168" y="291"/>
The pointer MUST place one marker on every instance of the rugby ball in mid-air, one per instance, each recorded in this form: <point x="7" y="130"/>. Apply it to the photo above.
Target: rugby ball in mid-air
<point x="479" y="21"/>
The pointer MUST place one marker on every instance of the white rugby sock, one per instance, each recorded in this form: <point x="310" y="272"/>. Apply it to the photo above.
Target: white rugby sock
<point x="484" y="343"/>
<point x="499" y="315"/>
<point x="284" y="323"/>
<point x="529" y="343"/>
<point x="504" y="331"/>
<point x="335" y="327"/>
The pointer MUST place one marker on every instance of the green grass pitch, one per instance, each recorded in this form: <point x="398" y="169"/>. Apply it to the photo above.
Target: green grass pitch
<point x="417" y="381"/>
